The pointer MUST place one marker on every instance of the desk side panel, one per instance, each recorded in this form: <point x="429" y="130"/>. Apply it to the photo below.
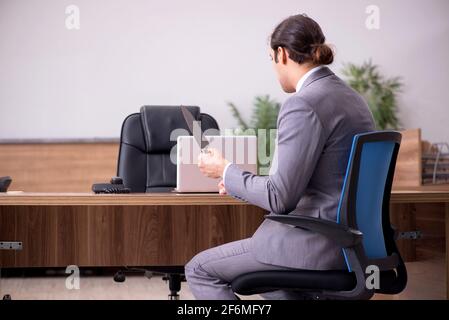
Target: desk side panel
<point x="58" y="236"/>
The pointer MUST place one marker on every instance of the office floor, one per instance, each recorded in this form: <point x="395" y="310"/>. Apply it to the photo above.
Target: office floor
<point x="427" y="280"/>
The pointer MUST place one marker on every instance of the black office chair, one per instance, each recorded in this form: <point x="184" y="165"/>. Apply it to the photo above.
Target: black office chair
<point x="362" y="230"/>
<point x="146" y="142"/>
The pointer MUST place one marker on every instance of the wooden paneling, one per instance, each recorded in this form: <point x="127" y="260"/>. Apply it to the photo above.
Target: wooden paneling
<point x="58" y="167"/>
<point x="409" y="165"/>
<point x="57" y="236"/>
<point x="74" y="167"/>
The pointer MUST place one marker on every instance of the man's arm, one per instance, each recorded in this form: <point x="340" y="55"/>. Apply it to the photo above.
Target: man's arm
<point x="301" y="139"/>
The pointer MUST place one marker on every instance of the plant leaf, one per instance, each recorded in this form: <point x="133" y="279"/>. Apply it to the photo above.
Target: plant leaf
<point x="236" y="113"/>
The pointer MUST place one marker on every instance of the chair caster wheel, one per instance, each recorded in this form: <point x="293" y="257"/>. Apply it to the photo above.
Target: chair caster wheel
<point x="173" y="296"/>
<point x="7" y="297"/>
<point x="119" y="277"/>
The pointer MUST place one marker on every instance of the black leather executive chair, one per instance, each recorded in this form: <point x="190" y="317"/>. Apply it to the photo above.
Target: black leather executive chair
<point x="144" y="164"/>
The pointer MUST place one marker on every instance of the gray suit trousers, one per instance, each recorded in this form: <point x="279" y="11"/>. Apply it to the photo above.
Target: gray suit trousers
<point x="210" y="272"/>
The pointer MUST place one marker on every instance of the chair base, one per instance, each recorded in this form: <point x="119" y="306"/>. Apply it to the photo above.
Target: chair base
<point x="174" y="284"/>
<point x="173" y="274"/>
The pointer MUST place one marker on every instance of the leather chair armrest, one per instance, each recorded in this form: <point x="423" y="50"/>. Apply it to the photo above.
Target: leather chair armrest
<point x="343" y="235"/>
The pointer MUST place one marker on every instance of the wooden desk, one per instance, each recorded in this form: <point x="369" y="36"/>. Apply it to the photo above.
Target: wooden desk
<point x="405" y="206"/>
<point x="58" y="230"/>
<point x="152" y="229"/>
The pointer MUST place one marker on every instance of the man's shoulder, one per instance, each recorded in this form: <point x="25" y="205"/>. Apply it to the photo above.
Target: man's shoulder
<point x="298" y="110"/>
<point x="296" y="102"/>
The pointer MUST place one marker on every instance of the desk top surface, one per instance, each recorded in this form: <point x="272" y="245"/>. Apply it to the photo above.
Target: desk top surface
<point x="169" y="198"/>
<point x="433" y="193"/>
<point x="427" y="193"/>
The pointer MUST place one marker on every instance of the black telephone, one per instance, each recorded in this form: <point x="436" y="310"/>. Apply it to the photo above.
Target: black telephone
<point x="115" y="186"/>
<point x="4" y="183"/>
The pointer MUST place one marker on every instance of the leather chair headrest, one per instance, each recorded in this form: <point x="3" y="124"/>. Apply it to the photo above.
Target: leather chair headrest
<point x="158" y="123"/>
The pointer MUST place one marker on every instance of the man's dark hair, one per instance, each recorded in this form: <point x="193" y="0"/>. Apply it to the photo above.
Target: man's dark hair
<point x="303" y="39"/>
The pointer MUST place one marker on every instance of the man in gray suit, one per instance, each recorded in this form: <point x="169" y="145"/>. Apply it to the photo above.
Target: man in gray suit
<point x="316" y="126"/>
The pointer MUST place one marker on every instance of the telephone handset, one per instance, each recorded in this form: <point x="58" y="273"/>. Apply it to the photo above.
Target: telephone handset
<point x="115" y="186"/>
<point x="4" y="183"/>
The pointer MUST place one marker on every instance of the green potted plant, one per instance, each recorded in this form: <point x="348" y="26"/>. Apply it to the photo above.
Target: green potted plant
<point x="264" y="116"/>
<point x="379" y="93"/>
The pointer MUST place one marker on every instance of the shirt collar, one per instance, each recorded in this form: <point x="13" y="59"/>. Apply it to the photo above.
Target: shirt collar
<point x="304" y="77"/>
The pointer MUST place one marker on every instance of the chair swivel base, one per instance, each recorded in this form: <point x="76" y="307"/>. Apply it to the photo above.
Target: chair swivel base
<point x="174" y="284"/>
<point x="174" y="276"/>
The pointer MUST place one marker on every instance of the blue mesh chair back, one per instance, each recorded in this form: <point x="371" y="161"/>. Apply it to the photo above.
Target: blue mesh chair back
<point x="364" y="203"/>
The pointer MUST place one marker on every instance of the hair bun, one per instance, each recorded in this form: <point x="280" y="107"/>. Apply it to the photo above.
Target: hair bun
<point x="303" y="39"/>
<point x="322" y="54"/>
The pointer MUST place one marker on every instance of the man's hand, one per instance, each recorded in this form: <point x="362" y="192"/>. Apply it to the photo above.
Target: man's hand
<point x="211" y="163"/>
<point x="221" y="188"/>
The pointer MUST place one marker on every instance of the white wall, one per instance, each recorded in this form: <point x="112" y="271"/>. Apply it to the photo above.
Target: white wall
<point x="56" y="83"/>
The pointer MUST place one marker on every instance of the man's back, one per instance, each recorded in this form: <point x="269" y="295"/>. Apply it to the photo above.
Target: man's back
<point x="341" y="114"/>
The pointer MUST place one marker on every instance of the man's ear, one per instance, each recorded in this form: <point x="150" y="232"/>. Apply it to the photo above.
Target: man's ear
<point x="282" y="55"/>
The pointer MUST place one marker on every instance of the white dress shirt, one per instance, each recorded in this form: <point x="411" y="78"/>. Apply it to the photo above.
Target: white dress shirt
<point x="298" y="87"/>
<point x="304" y="77"/>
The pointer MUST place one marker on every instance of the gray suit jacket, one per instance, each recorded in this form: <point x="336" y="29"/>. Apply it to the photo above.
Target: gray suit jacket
<point x="315" y="130"/>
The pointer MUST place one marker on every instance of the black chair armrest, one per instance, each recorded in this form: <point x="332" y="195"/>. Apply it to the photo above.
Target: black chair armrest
<point x="343" y="235"/>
